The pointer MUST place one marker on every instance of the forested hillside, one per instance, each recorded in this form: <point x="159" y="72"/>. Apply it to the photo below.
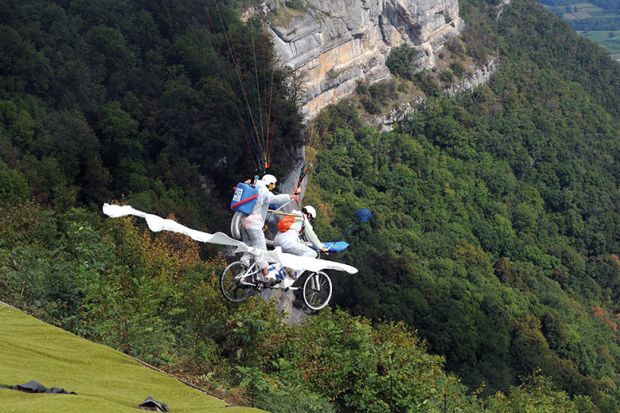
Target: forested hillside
<point x="152" y="100"/>
<point x="491" y="253"/>
<point x="497" y="211"/>
<point x="156" y="299"/>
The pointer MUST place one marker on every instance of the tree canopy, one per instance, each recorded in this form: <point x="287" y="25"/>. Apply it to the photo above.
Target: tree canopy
<point x="490" y="264"/>
<point x="160" y="103"/>
<point x="497" y="219"/>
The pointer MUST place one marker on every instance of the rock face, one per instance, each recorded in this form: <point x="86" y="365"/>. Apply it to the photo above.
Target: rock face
<point x="480" y="76"/>
<point x="335" y="43"/>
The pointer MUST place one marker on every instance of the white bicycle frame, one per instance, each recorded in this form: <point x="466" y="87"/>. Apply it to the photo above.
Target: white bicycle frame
<point x="251" y="278"/>
<point x="286" y="282"/>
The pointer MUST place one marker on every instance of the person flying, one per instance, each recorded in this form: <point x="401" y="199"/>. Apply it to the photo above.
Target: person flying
<point x="299" y="227"/>
<point x="252" y="224"/>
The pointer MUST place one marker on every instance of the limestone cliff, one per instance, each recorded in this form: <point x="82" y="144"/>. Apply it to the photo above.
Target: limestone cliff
<point x="335" y="43"/>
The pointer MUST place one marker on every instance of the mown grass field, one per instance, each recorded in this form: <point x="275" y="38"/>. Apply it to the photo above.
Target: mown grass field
<point x="105" y="380"/>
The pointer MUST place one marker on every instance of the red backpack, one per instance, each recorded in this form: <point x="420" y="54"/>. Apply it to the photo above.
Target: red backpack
<point x="285" y="223"/>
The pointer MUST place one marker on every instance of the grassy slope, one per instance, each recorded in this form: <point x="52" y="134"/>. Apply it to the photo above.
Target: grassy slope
<point x="105" y="380"/>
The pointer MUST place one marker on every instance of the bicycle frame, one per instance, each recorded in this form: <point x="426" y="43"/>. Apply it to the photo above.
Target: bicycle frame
<point x="239" y="279"/>
<point x="252" y="270"/>
<point x="245" y="278"/>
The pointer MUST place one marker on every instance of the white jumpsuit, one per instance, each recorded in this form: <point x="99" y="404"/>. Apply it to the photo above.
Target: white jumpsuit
<point x="291" y="242"/>
<point x="252" y="225"/>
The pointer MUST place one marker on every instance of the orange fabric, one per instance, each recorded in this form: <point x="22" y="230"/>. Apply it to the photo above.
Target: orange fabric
<point x="285" y="223"/>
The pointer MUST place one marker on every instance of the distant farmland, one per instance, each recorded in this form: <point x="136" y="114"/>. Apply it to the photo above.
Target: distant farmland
<point x="602" y="38"/>
<point x="596" y="23"/>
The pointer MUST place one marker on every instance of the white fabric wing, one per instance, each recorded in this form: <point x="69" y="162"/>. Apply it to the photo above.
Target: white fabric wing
<point x="295" y="262"/>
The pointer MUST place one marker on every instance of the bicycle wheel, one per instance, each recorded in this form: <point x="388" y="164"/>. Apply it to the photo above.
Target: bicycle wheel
<point x="317" y="290"/>
<point x="230" y="283"/>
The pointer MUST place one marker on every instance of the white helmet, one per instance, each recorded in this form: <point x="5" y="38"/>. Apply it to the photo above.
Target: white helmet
<point x="309" y="209"/>
<point x="269" y="179"/>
